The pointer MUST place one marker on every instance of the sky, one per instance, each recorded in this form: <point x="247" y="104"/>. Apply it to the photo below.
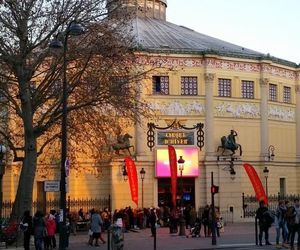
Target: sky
<point x="267" y="26"/>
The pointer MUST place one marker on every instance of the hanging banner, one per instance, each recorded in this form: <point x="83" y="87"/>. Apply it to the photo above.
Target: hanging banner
<point x="256" y="183"/>
<point x="173" y="169"/>
<point x="133" y="181"/>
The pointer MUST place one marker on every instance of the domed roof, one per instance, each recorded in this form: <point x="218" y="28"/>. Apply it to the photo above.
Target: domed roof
<point x="155" y="35"/>
<point x="158" y="35"/>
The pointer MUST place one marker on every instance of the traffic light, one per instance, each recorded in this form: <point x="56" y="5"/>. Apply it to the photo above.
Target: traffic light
<point x="214" y="189"/>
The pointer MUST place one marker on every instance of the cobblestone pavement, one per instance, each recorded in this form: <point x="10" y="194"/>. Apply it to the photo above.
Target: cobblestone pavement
<point x="236" y="236"/>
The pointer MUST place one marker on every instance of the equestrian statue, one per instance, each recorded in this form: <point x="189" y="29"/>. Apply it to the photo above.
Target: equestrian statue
<point x="123" y="143"/>
<point x="229" y="143"/>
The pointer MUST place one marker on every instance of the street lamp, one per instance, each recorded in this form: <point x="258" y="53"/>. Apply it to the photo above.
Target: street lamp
<point x="2" y="171"/>
<point x="125" y="174"/>
<point x="181" y="221"/>
<point x="271" y="154"/>
<point x="61" y="42"/>
<point x="266" y="174"/>
<point x="142" y="173"/>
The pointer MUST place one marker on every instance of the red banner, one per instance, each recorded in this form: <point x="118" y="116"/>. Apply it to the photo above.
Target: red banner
<point x="173" y="168"/>
<point x="256" y="183"/>
<point x="132" y="177"/>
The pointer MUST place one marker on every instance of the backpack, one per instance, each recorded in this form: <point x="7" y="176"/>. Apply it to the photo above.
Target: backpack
<point x="268" y="217"/>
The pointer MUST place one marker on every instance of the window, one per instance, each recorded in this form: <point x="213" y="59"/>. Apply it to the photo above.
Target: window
<point x="224" y="87"/>
<point x="189" y="85"/>
<point x="273" y="92"/>
<point x="286" y="94"/>
<point x="248" y="89"/>
<point x="282" y="190"/>
<point x="160" y="85"/>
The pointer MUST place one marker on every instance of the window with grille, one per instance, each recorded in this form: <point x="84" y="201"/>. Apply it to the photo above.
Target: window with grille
<point x="248" y="89"/>
<point x="189" y="85"/>
<point x="160" y="85"/>
<point x="273" y="92"/>
<point x="286" y="94"/>
<point x="224" y="87"/>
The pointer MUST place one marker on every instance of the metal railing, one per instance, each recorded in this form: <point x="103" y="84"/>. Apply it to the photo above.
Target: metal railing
<point x="73" y="204"/>
<point x="250" y="203"/>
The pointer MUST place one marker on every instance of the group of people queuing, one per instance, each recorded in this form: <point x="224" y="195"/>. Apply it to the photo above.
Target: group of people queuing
<point x="42" y="227"/>
<point x="286" y="220"/>
<point x="165" y="216"/>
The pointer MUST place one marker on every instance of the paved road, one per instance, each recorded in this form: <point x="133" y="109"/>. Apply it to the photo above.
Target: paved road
<point x="236" y="236"/>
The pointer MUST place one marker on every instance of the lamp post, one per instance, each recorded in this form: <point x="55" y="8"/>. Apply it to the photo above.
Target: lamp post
<point x="181" y="221"/>
<point x="73" y="29"/>
<point x="2" y="171"/>
<point x="142" y="173"/>
<point x="266" y="174"/>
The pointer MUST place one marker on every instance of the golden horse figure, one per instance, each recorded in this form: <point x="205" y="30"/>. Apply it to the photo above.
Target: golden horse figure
<point x="123" y="143"/>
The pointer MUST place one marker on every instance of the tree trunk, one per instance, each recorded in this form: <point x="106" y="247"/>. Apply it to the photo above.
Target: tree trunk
<point x="23" y="200"/>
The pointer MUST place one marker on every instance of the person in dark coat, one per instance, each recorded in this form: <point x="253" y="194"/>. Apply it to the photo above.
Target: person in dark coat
<point x="263" y="224"/>
<point x="26" y="226"/>
<point x="152" y="220"/>
<point x="39" y="230"/>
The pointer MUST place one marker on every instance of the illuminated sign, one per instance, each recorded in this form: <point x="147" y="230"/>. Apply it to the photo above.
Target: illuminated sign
<point x="175" y="138"/>
<point x="191" y="164"/>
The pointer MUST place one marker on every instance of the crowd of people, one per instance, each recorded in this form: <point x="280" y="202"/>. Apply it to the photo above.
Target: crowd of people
<point x="286" y="220"/>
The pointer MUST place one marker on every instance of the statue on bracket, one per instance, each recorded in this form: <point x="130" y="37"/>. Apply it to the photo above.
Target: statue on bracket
<point x="229" y="143"/>
<point x="122" y="143"/>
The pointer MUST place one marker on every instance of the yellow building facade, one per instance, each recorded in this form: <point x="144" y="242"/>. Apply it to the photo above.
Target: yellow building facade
<point x="200" y="79"/>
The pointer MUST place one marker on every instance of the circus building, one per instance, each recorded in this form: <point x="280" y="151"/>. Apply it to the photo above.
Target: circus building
<point x="224" y="87"/>
<point x="219" y="105"/>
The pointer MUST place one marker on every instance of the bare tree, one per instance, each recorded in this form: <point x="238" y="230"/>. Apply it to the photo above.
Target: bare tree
<point x="102" y="73"/>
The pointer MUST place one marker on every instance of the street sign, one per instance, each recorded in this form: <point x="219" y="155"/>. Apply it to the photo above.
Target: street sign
<point x="51" y="186"/>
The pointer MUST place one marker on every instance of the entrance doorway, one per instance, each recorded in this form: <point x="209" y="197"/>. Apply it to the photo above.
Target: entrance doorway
<point x="165" y="196"/>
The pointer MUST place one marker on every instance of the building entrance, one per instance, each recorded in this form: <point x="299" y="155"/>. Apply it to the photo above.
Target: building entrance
<point x="185" y="191"/>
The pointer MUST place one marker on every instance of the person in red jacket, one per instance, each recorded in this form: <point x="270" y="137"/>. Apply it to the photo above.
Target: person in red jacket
<point x="50" y="241"/>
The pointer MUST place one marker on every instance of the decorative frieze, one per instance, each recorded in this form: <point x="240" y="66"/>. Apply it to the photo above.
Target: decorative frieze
<point x="212" y="63"/>
<point x="281" y="113"/>
<point x="241" y="110"/>
<point x="178" y="108"/>
<point x="276" y="71"/>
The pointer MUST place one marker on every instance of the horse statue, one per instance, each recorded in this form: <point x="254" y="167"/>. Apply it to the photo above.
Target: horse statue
<point x="229" y="143"/>
<point x="122" y="144"/>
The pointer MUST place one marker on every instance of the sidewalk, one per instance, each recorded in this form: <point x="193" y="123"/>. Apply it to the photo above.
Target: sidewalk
<point x="236" y="236"/>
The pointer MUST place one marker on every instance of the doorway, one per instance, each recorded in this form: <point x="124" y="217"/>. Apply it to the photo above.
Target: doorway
<point x="188" y="194"/>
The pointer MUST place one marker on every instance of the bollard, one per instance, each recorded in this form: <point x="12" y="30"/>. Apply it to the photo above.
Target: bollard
<point x="108" y="239"/>
<point x="256" y="238"/>
<point x="154" y="238"/>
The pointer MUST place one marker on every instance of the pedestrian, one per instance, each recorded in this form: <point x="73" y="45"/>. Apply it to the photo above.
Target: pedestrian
<point x="26" y="227"/>
<point x="117" y="241"/>
<point x="205" y="216"/>
<point x="153" y="221"/>
<point x="39" y="230"/>
<point x="294" y="218"/>
<point x="263" y="222"/>
<point x="50" y="241"/>
<point x="96" y="224"/>
<point x="280" y="224"/>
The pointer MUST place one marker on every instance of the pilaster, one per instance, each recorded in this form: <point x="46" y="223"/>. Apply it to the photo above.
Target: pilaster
<point x="297" y="89"/>
<point x="264" y="131"/>
<point x="209" y="115"/>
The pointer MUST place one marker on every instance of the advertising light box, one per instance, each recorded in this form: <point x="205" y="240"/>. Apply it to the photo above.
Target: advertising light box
<point x="190" y="155"/>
